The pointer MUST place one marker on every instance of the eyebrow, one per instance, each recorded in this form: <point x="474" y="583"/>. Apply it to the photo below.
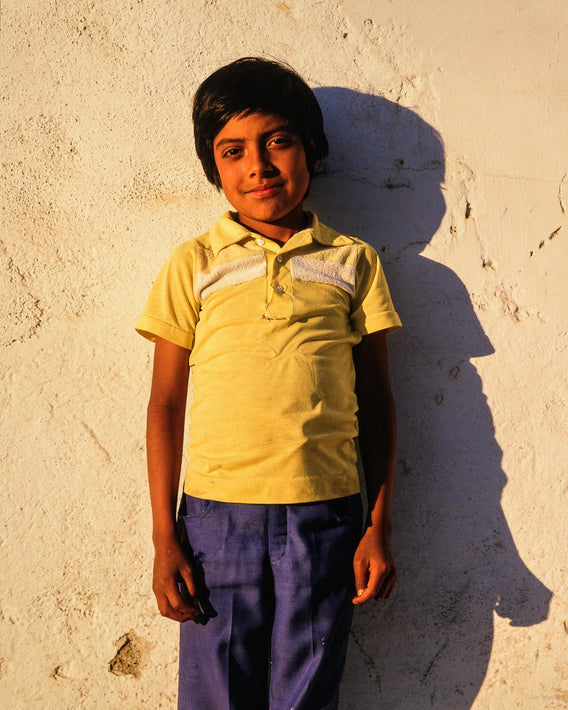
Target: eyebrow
<point x="284" y="128"/>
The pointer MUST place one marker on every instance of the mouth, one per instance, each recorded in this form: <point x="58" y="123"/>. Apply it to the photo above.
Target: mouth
<point x="265" y="190"/>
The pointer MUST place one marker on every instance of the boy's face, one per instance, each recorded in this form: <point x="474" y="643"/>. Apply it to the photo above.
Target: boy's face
<point x="263" y="171"/>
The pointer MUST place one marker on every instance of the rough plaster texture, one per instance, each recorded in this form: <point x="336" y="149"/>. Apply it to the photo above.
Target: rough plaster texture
<point x="447" y="123"/>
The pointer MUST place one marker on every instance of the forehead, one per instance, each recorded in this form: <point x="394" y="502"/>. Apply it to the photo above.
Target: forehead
<point x="251" y="126"/>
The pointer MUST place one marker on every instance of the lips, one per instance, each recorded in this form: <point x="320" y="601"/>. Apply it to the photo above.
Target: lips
<point x="265" y="190"/>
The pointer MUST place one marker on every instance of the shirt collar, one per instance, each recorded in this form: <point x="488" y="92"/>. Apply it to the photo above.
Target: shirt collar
<point x="227" y="231"/>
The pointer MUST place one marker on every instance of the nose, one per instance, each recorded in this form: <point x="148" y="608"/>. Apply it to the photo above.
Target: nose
<point x="259" y="161"/>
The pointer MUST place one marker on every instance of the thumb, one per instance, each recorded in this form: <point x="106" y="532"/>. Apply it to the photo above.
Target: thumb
<point x="361" y="580"/>
<point x="188" y="577"/>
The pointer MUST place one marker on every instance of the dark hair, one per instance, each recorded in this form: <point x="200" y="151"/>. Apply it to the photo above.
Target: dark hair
<point x="255" y="85"/>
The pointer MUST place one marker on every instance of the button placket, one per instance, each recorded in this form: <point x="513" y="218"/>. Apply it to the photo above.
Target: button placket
<point x="279" y="303"/>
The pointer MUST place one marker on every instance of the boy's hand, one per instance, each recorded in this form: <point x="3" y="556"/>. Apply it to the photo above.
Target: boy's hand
<point x="375" y="571"/>
<point x="171" y="566"/>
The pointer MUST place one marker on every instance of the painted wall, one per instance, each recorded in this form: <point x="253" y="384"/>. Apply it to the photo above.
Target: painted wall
<point x="447" y="123"/>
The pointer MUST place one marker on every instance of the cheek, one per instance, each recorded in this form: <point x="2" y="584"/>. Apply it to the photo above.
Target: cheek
<point x="225" y="170"/>
<point x="303" y="180"/>
<point x="226" y="178"/>
<point x="302" y="174"/>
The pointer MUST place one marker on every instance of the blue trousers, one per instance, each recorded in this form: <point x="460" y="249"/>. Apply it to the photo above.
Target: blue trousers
<point x="277" y="583"/>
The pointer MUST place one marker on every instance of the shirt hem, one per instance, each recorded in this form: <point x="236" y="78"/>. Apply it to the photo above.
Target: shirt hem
<point x="150" y="328"/>
<point x="389" y="322"/>
<point x="282" y="498"/>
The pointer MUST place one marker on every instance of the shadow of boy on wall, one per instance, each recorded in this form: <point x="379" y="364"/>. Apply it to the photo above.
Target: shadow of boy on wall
<point x="429" y="646"/>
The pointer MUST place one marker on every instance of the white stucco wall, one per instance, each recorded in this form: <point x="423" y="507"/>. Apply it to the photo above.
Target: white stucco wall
<point x="447" y="123"/>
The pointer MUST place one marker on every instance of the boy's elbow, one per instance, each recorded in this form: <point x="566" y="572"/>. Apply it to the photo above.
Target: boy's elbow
<point x="375" y="400"/>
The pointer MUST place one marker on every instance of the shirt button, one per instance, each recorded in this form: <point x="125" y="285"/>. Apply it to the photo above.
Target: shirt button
<point x="279" y="258"/>
<point x="279" y="288"/>
<point x="260" y="242"/>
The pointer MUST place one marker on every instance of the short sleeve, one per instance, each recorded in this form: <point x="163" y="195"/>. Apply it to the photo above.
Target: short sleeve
<point x="373" y="309"/>
<point x="172" y="310"/>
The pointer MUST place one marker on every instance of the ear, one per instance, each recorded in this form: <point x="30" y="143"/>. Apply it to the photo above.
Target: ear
<point x="317" y="168"/>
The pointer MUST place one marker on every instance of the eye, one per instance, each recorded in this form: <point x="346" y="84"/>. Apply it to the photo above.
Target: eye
<point x="231" y="153"/>
<point x="280" y="141"/>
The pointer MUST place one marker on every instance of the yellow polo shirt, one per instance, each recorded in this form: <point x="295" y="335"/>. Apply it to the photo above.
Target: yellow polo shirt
<point x="271" y="330"/>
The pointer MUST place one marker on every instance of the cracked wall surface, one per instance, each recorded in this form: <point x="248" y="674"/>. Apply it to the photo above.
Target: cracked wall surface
<point x="446" y="126"/>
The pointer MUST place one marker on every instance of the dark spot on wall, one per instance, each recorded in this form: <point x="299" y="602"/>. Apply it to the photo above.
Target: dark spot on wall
<point x="542" y="243"/>
<point x="468" y="210"/>
<point x="392" y="185"/>
<point x="58" y="673"/>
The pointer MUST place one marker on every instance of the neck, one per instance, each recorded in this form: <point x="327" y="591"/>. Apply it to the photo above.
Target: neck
<point x="280" y="230"/>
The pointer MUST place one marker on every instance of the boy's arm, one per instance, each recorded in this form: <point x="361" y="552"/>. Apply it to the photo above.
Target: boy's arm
<point x="375" y="571"/>
<point x="165" y="425"/>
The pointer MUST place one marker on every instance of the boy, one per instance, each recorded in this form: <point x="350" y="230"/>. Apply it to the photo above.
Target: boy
<point x="282" y="322"/>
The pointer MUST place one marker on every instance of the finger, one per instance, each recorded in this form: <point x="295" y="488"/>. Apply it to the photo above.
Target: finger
<point x="182" y="602"/>
<point x="188" y="580"/>
<point x="392" y="583"/>
<point x="379" y="585"/>
<point x="387" y="586"/>
<point x="363" y="596"/>
<point x="365" y="591"/>
<point x="172" y="605"/>
<point x="194" y="594"/>
<point x="168" y="611"/>
<point x="195" y="602"/>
